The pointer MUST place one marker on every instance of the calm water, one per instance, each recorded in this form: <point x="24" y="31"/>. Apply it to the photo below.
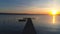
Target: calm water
<point x="42" y="23"/>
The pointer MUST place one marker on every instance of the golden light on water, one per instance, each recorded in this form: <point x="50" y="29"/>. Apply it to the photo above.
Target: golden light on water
<point x="54" y="19"/>
<point x="53" y="13"/>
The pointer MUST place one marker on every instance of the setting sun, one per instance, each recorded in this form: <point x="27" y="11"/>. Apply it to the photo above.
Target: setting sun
<point x="53" y="12"/>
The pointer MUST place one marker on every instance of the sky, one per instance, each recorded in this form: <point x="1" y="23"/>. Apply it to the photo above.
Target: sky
<point x="28" y="6"/>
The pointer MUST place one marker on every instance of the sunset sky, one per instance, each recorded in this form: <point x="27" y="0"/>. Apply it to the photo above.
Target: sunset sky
<point x="29" y="6"/>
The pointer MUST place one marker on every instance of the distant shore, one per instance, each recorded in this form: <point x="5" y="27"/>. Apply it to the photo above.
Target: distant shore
<point x="20" y="14"/>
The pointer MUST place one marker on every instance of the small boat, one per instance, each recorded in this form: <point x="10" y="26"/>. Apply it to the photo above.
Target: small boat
<point x="22" y="20"/>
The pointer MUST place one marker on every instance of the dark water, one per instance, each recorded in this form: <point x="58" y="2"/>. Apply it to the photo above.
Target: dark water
<point x="43" y="24"/>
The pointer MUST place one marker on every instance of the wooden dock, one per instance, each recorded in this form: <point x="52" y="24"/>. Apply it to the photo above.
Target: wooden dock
<point x="29" y="27"/>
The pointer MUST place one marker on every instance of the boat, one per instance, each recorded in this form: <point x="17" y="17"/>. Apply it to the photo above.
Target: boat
<point x="22" y="20"/>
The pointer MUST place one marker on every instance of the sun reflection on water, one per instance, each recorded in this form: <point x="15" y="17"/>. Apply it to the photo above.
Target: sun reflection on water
<point x="54" y="19"/>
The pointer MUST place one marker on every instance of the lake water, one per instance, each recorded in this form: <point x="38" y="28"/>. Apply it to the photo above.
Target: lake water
<point x="43" y="23"/>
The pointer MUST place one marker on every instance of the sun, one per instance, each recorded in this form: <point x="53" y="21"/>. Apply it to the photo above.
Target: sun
<point x="53" y="12"/>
